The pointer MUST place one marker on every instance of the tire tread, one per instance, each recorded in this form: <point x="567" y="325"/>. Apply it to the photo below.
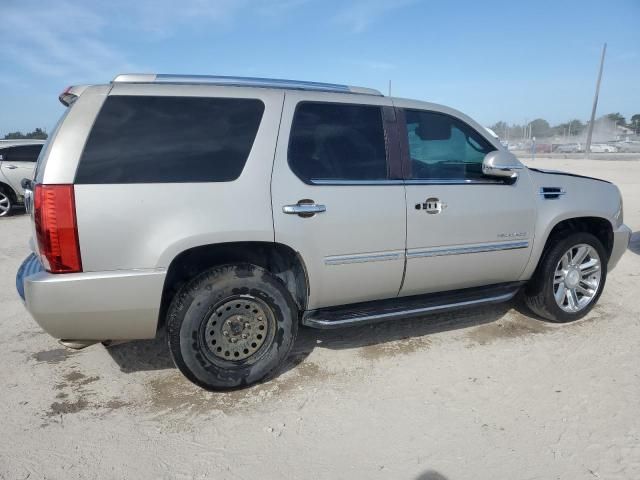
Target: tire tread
<point x="190" y="290"/>
<point x="536" y="295"/>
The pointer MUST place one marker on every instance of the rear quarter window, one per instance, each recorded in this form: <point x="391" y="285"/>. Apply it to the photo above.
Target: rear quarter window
<point x="147" y="139"/>
<point x="21" y="153"/>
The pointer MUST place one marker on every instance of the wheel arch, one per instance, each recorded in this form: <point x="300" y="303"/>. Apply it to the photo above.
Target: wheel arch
<point x="601" y="227"/>
<point x="279" y="259"/>
<point x="9" y="189"/>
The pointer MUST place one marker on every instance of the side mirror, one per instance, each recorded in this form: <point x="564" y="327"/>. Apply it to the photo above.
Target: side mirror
<point x="500" y="163"/>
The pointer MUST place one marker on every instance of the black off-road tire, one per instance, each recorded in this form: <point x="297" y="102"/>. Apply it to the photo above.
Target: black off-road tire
<point x="227" y="291"/>
<point x="538" y="294"/>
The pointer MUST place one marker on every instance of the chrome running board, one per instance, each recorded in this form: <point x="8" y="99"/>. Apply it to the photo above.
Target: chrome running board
<point x="406" y="307"/>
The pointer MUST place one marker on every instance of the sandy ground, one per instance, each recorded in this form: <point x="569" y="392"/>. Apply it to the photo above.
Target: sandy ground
<point x="487" y="393"/>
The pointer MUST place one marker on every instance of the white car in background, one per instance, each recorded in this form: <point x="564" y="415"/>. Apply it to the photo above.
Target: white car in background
<point x="628" y="146"/>
<point x="603" y="148"/>
<point x="17" y="161"/>
<point x="569" y="148"/>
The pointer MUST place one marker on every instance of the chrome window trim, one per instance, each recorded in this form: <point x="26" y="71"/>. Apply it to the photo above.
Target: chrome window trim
<point x="464" y="249"/>
<point x="363" y="258"/>
<point x="454" y="181"/>
<point x="356" y="182"/>
<point x="407" y="182"/>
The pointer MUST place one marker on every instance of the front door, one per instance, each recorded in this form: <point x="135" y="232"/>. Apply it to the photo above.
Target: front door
<point x="463" y="229"/>
<point x="335" y="200"/>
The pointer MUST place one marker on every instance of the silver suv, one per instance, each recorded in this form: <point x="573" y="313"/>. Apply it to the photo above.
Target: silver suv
<point x="230" y="210"/>
<point x="17" y="162"/>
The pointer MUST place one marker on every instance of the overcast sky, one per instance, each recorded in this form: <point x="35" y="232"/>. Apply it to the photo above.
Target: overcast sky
<point x="495" y="61"/>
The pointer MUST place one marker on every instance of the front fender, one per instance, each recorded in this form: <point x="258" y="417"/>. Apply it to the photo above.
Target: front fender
<point x="584" y="197"/>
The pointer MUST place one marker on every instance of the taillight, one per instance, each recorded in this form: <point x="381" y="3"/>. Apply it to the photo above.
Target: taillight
<point x="54" y="212"/>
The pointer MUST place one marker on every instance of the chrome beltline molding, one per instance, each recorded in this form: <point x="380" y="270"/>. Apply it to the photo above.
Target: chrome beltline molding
<point x="364" y="257"/>
<point x="479" y="248"/>
<point x="419" y="253"/>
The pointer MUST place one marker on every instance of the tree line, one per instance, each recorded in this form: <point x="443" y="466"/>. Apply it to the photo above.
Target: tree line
<point x="37" y="134"/>
<point x="541" y="128"/>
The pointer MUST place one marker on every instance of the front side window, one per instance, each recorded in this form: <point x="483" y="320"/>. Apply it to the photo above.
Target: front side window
<point x="147" y="139"/>
<point x="442" y="147"/>
<point x="334" y="141"/>
<point x="22" y="153"/>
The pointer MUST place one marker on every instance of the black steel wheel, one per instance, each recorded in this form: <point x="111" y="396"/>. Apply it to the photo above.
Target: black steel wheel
<point x="231" y="326"/>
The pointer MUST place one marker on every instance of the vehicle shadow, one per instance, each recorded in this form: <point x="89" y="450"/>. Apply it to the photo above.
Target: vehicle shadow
<point x="147" y="355"/>
<point x="382" y="333"/>
<point x="431" y="475"/>
<point x="634" y="244"/>
<point x="143" y="355"/>
<point x="18" y="210"/>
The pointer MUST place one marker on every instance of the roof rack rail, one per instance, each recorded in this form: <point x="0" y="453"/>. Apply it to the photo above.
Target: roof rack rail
<point x="241" y="82"/>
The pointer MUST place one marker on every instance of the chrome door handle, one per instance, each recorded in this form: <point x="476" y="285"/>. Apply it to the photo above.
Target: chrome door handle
<point x="431" y="205"/>
<point x="304" y="209"/>
<point x="11" y="167"/>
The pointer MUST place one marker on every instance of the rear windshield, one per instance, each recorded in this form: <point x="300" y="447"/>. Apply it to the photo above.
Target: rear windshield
<point x="146" y="139"/>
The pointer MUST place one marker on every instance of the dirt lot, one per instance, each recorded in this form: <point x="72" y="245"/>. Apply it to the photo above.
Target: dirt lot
<point x="487" y="393"/>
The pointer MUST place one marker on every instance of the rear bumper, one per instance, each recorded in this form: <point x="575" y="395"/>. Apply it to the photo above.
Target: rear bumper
<point x="621" y="239"/>
<point x="118" y="305"/>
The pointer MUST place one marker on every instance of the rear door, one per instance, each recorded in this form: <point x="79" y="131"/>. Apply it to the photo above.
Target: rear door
<point x="337" y="199"/>
<point x="19" y="162"/>
<point x="464" y="229"/>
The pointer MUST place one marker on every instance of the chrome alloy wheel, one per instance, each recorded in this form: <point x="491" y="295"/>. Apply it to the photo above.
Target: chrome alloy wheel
<point x="5" y="204"/>
<point x="238" y="328"/>
<point x="577" y="278"/>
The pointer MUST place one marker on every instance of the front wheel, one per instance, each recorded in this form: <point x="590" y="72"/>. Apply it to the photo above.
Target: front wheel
<point x="231" y="326"/>
<point x="5" y="203"/>
<point x="569" y="279"/>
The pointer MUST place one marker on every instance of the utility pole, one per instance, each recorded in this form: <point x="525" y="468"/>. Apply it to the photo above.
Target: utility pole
<point x="389" y="87"/>
<point x="587" y="148"/>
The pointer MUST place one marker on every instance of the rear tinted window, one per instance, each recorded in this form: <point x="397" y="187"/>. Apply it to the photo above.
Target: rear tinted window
<point x="22" y="153"/>
<point x="334" y="141"/>
<point x="145" y="139"/>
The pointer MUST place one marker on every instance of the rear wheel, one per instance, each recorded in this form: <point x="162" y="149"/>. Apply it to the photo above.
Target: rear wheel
<point x="6" y="203"/>
<point x="231" y="326"/>
<point x="569" y="279"/>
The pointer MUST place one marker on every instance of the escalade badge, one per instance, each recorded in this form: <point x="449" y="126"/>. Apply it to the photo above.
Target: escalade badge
<point x="512" y="235"/>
